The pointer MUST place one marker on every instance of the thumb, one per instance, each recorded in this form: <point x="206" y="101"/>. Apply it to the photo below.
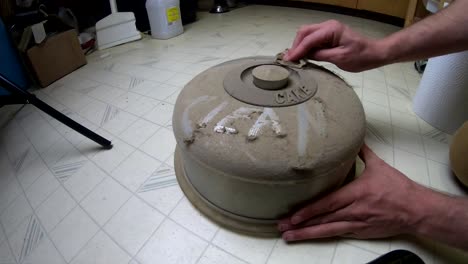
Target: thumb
<point x="366" y="154"/>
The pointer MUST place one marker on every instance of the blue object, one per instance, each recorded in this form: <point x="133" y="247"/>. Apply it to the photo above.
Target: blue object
<point x="10" y="64"/>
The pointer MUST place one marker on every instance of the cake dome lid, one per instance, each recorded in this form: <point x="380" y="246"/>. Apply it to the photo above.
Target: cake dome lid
<point x="262" y="119"/>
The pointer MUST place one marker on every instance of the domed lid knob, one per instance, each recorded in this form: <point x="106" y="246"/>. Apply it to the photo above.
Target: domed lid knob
<point x="264" y="82"/>
<point x="270" y="77"/>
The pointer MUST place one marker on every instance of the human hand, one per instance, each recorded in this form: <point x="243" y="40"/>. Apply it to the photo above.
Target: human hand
<point x="335" y="42"/>
<point x="382" y="202"/>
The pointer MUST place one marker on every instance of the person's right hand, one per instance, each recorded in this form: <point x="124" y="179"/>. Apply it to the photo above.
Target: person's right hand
<point x="382" y="202"/>
<point x="335" y="42"/>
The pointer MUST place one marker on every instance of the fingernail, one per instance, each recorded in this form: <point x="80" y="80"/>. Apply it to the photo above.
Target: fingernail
<point x="296" y="220"/>
<point x="288" y="237"/>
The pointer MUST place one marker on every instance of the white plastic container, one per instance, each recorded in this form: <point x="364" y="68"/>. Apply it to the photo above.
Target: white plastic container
<point x="164" y="18"/>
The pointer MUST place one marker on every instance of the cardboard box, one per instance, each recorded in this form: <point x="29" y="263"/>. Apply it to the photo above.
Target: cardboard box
<point x="56" y="57"/>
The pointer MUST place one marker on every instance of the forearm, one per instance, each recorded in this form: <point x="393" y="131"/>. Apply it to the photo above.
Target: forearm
<point x="442" y="33"/>
<point x="441" y="217"/>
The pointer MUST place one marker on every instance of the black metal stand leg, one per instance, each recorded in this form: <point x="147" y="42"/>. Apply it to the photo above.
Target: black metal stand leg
<point x="32" y="99"/>
<point x="70" y="122"/>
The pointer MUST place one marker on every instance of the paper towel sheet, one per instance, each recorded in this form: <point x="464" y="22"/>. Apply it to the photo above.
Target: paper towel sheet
<point x="442" y="97"/>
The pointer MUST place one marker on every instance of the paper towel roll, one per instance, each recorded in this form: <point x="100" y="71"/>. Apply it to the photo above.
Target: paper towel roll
<point x="442" y="97"/>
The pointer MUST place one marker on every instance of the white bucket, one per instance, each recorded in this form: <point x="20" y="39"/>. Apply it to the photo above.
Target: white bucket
<point x="164" y="18"/>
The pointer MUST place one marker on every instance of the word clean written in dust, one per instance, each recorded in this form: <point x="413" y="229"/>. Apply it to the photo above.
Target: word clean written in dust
<point x="267" y="117"/>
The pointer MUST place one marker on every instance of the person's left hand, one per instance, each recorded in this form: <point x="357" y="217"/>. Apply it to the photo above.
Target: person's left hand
<point x="382" y="202"/>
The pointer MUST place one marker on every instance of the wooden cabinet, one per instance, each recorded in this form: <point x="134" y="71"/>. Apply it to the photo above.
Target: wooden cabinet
<point x="397" y="8"/>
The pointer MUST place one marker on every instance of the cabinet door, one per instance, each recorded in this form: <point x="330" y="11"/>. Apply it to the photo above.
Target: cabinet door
<point x="343" y="3"/>
<point x="389" y="7"/>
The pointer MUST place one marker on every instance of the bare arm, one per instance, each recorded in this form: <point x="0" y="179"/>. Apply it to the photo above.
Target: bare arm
<point x="382" y="202"/>
<point x="444" y="218"/>
<point x="444" y="32"/>
<point x="441" y="33"/>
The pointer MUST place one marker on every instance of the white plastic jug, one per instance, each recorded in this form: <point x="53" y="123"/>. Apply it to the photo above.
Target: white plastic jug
<point x="164" y="18"/>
